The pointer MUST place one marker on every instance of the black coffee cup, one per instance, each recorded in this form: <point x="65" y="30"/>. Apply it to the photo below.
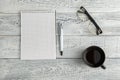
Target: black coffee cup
<point x="94" y="56"/>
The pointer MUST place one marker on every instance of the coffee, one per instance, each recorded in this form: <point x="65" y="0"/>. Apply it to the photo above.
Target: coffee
<point x="93" y="57"/>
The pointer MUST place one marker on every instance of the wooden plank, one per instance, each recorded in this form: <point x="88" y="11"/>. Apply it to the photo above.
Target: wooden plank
<point x="74" y="25"/>
<point x="60" y="69"/>
<point x="109" y="22"/>
<point x="9" y="47"/>
<point x="15" y="6"/>
<point x="9" y="24"/>
<point x="73" y="46"/>
<point x="97" y="5"/>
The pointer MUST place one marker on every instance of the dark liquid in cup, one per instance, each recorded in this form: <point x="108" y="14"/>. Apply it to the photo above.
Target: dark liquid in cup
<point x="93" y="57"/>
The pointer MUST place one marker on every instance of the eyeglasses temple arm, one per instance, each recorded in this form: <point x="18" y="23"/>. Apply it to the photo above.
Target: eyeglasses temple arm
<point x="98" y="31"/>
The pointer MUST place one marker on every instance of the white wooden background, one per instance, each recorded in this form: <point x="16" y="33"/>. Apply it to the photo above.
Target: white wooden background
<point x="76" y="38"/>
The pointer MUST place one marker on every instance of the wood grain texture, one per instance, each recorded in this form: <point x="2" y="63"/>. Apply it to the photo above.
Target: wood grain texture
<point x="76" y="38"/>
<point x="74" y="25"/>
<point x="60" y="5"/>
<point x="60" y="69"/>
<point x="73" y="46"/>
<point x="97" y="6"/>
<point x="9" y="24"/>
<point x="9" y="47"/>
<point x="109" y="22"/>
<point x="16" y="5"/>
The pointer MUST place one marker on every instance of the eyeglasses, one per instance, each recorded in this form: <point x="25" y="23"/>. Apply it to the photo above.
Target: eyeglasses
<point x="80" y="14"/>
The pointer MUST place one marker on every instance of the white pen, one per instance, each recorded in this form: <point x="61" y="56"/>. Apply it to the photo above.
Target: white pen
<point x="61" y="38"/>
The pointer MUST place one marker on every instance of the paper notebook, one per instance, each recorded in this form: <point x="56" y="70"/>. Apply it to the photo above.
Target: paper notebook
<point x="38" y="40"/>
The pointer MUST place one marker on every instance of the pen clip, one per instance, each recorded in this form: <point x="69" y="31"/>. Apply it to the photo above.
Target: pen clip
<point x="60" y="27"/>
<point x="60" y="24"/>
<point x="98" y="29"/>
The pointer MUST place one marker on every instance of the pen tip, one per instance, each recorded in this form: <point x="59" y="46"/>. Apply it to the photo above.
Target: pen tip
<point x="61" y="53"/>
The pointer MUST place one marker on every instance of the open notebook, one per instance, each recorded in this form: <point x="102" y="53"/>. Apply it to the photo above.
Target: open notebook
<point x="38" y="40"/>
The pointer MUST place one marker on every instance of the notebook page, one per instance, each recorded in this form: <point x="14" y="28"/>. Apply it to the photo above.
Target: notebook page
<point x="38" y="39"/>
